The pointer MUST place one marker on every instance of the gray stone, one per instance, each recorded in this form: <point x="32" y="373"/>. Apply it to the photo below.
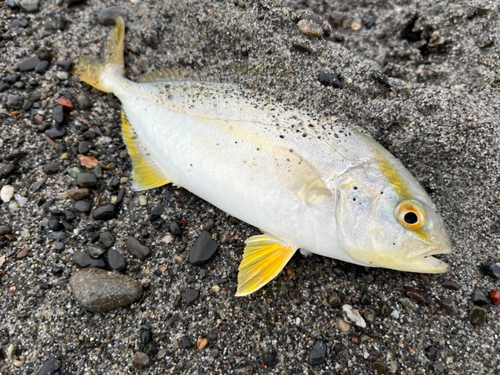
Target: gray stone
<point x="98" y="290"/>
<point x="108" y="16"/>
<point x="14" y="101"/>
<point x="29" y="63"/>
<point x="30" y="6"/>
<point x="51" y="168"/>
<point x="106" y="212"/>
<point x="137" y="249"/>
<point x="95" y="250"/>
<point x="5" y="170"/>
<point x="83" y="101"/>
<point x="116" y="261"/>
<point x="55" y="133"/>
<point x="107" y="239"/>
<point x="203" y="249"/>
<point x="86" y="179"/>
<point x="5" y="229"/>
<point x="140" y="360"/>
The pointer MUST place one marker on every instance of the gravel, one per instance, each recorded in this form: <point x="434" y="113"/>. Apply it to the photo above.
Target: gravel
<point x="419" y="76"/>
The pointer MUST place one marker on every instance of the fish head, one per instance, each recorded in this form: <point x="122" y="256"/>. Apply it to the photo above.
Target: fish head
<point x="386" y="219"/>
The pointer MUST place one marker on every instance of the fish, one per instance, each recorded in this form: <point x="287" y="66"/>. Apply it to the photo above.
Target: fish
<point x="307" y="183"/>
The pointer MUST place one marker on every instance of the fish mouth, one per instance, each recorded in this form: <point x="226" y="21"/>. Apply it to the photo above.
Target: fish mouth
<point x="428" y="263"/>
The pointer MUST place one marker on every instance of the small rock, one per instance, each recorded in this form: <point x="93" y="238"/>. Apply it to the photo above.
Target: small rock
<point x="58" y="114"/>
<point x="106" y="212"/>
<point x="22" y="254"/>
<point x="27" y="105"/>
<point x="450" y="284"/>
<point x="107" y="239"/>
<point x="98" y="290"/>
<point x="42" y="67"/>
<point x="58" y="236"/>
<point x="381" y="367"/>
<point x="308" y="15"/>
<point x="310" y="28"/>
<point x="175" y="228"/>
<point x="137" y="249"/>
<point x="202" y="343"/>
<point x="6" y="169"/>
<point x="156" y="213"/>
<point x="318" y="353"/>
<point x="29" y="63"/>
<point x="448" y="305"/>
<point x="66" y="104"/>
<point x="66" y="65"/>
<point x="62" y="75"/>
<point x="50" y="367"/>
<point x="7" y="193"/>
<point x="12" y="79"/>
<point x="186" y="344"/>
<point x="477" y="316"/>
<point x="78" y="194"/>
<point x="51" y="168"/>
<point x="95" y="250"/>
<point x="143" y="200"/>
<point x="83" y="147"/>
<point x="478" y="297"/>
<point x="336" y="19"/>
<point x="203" y="249"/>
<point x="44" y="54"/>
<point x="83" y="101"/>
<point x="14" y="101"/>
<point x="116" y="261"/>
<point x="30" y="6"/>
<point x="353" y="316"/>
<point x="329" y="80"/>
<point x="5" y="229"/>
<point x="82" y="206"/>
<point x="140" y="360"/>
<point x="84" y="260"/>
<point x="108" y="16"/>
<point x="119" y="197"/>
<point x="146" y="337"/>
<point x="86" y="179"/>
<point x="495" y="297"/>
<point x="55" y="133"/>
<point x="492" y="270"/>
<point x="88" y="162"/>
<point x="343" y="325"/>
<point x="55" y="225"/>
<point x="431" y="352"/>
<point x="4" y="87"/>
<point x="414" y="294"/>
<point x="192" y="295"/>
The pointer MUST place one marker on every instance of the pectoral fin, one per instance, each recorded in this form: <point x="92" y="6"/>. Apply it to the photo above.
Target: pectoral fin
<point x="263" y="259"/>
<point x="299" y="176"/>
<point x="147" y="171"/>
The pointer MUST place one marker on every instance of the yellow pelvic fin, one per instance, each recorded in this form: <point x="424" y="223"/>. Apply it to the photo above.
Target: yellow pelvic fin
<point x="299" y="176"/>
<point x="147" y="172"/>
<point x="93" y="71"/>
<point x="263" y="259"/>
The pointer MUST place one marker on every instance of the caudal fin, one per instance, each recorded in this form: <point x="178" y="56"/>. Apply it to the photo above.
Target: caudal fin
<point x="93" y="71"/>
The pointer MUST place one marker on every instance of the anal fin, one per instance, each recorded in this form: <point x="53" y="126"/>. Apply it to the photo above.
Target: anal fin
<point x="263" y="259"/>
<point x="147" y="172"/>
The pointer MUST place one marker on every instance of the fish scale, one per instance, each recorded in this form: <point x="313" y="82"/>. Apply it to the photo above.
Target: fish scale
<point x="304" y="181"/>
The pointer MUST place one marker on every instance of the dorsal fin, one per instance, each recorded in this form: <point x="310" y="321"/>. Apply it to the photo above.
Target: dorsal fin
<point x="147" y="172"/>
<point x="167" y="74"/>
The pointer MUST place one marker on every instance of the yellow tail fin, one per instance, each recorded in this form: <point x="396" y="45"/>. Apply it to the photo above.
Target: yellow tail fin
<point x="93" y="71"/>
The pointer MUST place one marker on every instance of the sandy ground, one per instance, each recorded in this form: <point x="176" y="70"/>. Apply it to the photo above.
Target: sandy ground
<point x="420" y="76"/>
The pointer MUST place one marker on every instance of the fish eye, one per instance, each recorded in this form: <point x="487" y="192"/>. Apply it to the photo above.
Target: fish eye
<point x="411" y="215"/>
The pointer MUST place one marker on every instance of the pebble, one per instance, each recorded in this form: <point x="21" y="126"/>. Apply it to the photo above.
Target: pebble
<point x="310" y="28"/>
<point x="478" y="297"/>
<point x="86" y="179"/>
<point x="66" y="65"/>
<point x="42" y="67"/>
<point x="12" y="79"/>
<point x="383" y="308"/>
<point x="157" y="212"/>
<point x="186" y="344"/>
<point x="137" y="249"/>
<point x="308" y="15"/>
<point x="353" y="316"/>
<point x="107" y="239"/>
<point x="143" y="200"/>
<point x="50" y="367"/>
<point x="88" y="162"/>
<point x="203" y="249"/>
<point x="4" y="87"/>
<point x="202" y="343"/>
<point x="477" y="316"/>
<point x="336" y="19"/>
<point x="99" y="290"/>
<point x="431" y="352"/>
<point x="22" y="254"/>
<point x="84" y="260"/>
<point x="119" y="197"/>
<point x="83" y="147"/>
<point x="450" y="284"/>
<point x="192" y="295"/>
<point x="146" y="337"/>
<point x="5" y="229"/>
<point x="495" y="297"/>
<point x="70" y="216"/>
<point x="95" y="250"/>
<point x="55" y="225"/>
<point x="82" y="206"/>
<point x="44" y="54"/>
<point x="108" y="16"/>
<point x="55" y="133"/>
<point x="78" y="194"/>
<point x="38" y="119"/>
<point x="380" y="367"/>
<point x="492" y="270"/>
<point x="29" y="63"/>
<point x="175" y="228"/>
<point x="116" y="261"/>
<point x="5" y="170"/>
<point x="343" y="325"/>
<point x="414" y="294"/>
<point x="67" y="104"/>
<point x="318" y="353"/>
<point x="7" y="193"/>
<point x="448" y="305"/>
<point x="27" y="104"/>
<point x="329" y="80"/>
<point x="30" y="6"/>
<point x="58" y="114"/>
<point x="140" y="360"/>
<point x="52" y="168"/>
<point x="106" y="212"/>
<point x="62" y="75"/>
<point x="83" y="102"/>
<point x="14" y="101"/>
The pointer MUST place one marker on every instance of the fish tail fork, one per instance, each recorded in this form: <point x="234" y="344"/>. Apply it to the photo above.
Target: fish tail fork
<point x="94" y="72"/>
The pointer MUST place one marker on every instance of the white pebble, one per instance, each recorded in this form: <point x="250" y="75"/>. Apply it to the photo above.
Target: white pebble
<point x="167" y="239"/>
<point x="143" y="200"/>
<point x="13" y="206"/>
<point x="20" y="200"/>
<point x="62" y="75"/>
<point x="7" y="193"/>
<point x="353" y="316"/>
<point x="395" y="314"/>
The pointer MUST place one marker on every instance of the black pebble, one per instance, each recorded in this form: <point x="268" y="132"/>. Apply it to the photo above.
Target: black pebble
<point x="119" y="197"/>
<point x="479" y="298"/>
<point x="55" y="224"/>
<point x="146" y="337"/>
<point x="203" y="249"/>
<point x="55" y="133"/>
<point x="83" y="147"/>
<point x="42" y="67"/>
<point x="86" y="179"/>
<point x="96" y="251"/>
<point x="11" y="79"/>
<point x="27" y="104"/>
<point x="114" y="183"/>
<point x="318" y="353"/>
<point x="269" y="359"/>
<point x="107" y="239"/>
<point x="29" y="64"/>
<point x="50" y="367"/>
<point x="106" y="212"/>
<point x="175" y="229"/>
<point x="116" y="261"/>
<point x="82" y="206"/>
<point x="65" y="65"/>
<point x="58" y="114"/>
<point x="44" y="286"/>
<point x="4" y="87"/>
<point x="330" y="80"/>
<point x="67" y="95"/>
<point x="51" y="168"/>
<point x="44" y="54"/>
<point x="492" y="270"/>
<point x="70" y="216"/>
<point x="186" y="344"/>
<point x="84" y="260"/>
<point x="156" y="213"/>
<point x="192" y="296"/>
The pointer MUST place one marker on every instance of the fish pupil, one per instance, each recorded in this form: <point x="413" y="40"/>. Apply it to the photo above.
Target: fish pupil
<point x="411" y="218"/>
